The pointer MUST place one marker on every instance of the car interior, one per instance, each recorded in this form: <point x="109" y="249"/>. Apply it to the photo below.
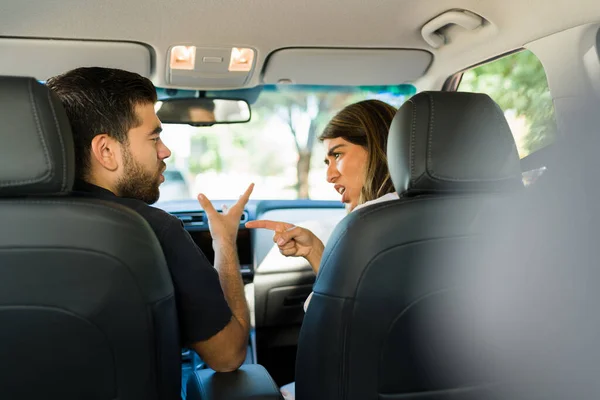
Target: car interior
<point x="477" y="283"/>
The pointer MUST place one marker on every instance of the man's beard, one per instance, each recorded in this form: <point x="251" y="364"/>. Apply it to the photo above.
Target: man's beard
<point x="137" y="183"/>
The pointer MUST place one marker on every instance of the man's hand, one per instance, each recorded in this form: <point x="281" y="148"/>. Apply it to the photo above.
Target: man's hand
<point x="226" y="350"/>
<point x="293" y="241"/>
<point x="224" y="226"/>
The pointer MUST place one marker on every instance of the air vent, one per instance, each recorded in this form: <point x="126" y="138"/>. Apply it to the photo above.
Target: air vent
<point x="198" y="218"/>
<point x="191" y="219"/>
<point x="244" y="217"/>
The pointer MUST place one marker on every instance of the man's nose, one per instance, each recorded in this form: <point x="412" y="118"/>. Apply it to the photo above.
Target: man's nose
<point x="163" y="152"/>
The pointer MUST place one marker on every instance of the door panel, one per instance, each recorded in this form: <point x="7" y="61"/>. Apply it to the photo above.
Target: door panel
<point x="282" y="284"/>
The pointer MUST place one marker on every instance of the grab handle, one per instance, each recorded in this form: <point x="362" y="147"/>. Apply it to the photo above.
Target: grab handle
<point x="431" y="30"/>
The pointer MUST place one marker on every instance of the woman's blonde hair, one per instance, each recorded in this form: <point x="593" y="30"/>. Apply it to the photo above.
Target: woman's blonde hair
<point x="367" y="124"/>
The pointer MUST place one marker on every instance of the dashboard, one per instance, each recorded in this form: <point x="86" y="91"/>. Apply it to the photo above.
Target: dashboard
<point x="252" y="245"/>
<point x="195" y="223"/>
<point x="203" y="239"/>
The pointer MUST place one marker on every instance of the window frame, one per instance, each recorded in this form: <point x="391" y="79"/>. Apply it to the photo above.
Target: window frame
<point x="535" y="160"/>
<point x="452" y="83"/>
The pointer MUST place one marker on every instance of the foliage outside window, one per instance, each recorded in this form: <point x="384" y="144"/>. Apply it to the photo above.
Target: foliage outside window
<point x="518" y="84"/>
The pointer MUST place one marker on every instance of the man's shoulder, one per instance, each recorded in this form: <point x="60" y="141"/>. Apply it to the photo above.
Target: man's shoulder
<point x="156" y="217"/>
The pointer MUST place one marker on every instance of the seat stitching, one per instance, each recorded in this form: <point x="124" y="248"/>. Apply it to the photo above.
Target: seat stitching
<point x="62" y="144"/>
<point x="412" y="140"/>
<point x="430" y="136"/>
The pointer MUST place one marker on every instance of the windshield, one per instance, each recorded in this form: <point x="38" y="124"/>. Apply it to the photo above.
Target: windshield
<point x="278" y="149"/>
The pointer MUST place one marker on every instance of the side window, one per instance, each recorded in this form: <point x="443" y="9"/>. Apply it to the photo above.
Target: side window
<point x="518" y="84"/>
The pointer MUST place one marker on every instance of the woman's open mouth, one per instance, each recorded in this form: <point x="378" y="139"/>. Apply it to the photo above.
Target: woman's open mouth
<point x="341" y="190"/>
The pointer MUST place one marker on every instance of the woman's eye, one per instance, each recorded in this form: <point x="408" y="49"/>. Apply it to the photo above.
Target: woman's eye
<point x="337" y="155"/>
<point x="156" y="139"/>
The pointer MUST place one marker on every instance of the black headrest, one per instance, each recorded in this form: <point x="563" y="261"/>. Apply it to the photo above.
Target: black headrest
<point x="452" y="142"/>
<point x="36" y="142"/>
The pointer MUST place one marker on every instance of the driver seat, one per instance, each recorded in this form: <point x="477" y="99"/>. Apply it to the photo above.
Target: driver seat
<point x="86" y="301"/>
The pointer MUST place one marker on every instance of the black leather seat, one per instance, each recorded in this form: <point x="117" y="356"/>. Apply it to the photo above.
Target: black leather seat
<point x="86" y="301"/>
<point x="388" y="319"/>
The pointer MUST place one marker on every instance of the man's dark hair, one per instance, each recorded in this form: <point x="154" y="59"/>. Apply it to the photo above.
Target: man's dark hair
<point x="100" y="100"/>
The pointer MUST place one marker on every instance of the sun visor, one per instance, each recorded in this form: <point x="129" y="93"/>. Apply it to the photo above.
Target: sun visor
<point x="44" y="58"/>
<point x="356" y="67"/>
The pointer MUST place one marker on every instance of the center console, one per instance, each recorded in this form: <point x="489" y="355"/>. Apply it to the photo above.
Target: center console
<point x="194" y="370"/>
<point x="249" y="382"/>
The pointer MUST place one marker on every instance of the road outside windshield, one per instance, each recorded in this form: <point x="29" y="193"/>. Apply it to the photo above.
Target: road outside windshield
<point x="278" y="149"/>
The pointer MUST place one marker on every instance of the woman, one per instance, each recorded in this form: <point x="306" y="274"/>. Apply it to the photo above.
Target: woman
<point x="355" y="141"/>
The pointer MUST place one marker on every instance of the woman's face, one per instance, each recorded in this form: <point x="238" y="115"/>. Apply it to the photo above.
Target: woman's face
<point x="346" y="169"/>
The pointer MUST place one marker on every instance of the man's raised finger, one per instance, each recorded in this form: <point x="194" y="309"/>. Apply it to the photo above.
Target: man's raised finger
<point x="243" y="200"/>
<point x="246" y="196"/>
<point x="206" y="205"/>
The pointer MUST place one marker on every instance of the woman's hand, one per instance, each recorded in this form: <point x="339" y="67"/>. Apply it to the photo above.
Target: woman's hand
<point x="293" y="241"/>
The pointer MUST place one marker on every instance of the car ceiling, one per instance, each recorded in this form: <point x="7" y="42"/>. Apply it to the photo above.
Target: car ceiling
<point x="268" y="25"/>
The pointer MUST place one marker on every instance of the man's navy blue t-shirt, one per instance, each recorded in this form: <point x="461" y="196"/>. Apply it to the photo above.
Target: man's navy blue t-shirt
<point x="201" y="306"/>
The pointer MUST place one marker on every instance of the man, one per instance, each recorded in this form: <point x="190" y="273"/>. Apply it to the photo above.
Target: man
<point x="120" y="157"/>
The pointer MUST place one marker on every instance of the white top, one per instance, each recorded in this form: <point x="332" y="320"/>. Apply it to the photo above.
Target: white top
<point x="385" y="197"/>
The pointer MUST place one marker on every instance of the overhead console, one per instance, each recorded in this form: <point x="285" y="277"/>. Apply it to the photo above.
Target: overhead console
<point x="44" y="58"/>
<point x="209" y="67"/>
<point x="347" y="66"/>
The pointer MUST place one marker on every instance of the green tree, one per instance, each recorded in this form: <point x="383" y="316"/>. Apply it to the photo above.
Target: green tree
<point x="207" y="146"/>
<point x="518" y="82"/>
<point x="295" y="108"/>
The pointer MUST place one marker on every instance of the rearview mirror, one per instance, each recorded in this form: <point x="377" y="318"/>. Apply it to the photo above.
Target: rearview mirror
<point x="202" y="111"/>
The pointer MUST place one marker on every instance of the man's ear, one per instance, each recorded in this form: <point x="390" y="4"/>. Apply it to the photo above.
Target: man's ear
<point x="106" y="151"/>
